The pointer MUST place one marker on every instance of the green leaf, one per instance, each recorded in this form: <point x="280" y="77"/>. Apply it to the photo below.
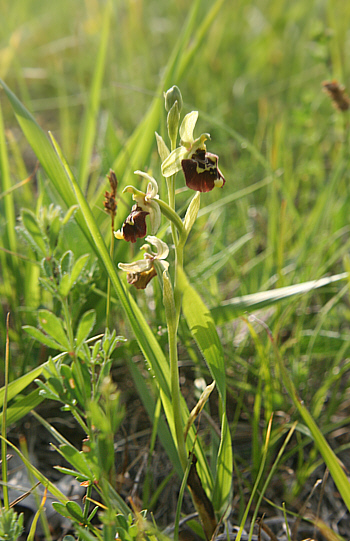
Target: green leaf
<point x="22" y="406"/>
<point x="191" y="213"/>
<point x="76" y="459"/>
<point x="67" y="471"/>
<point x="82" y="382"/>
<point x="33" y="232"/>
<point x="85" y="535"/>
<point x="65" y="285"/>
<point x="71" y="272"/>
<point x="45" y="391"/>
<point x="75" y="511"/>
<point x="53" y="326"/>
<point x="163" y="150"/>
<point x="222" y="493"/>
<point x="43" y="338"/>
<point x="203" y="330"/>
<point x="66" y="262"/>
<point x="85" y="326"/>
<point x="70" y="212"/>
<point x="61" y="509"/>
<point x="73" y="275"/>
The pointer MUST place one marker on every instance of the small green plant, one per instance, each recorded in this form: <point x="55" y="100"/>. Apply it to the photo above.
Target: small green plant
<point x="11" y="525"/>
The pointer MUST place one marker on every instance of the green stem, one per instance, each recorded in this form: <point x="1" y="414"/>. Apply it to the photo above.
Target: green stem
<point x="87" y="501"/>
<point x="172" y="312"/>
<point x="111" y="251"/>
<point x="4" y="425"/>
<point x="68" y="324"/>
<point x="78" y="418"/>
<point x="175" y="392"/>
<point x="169" y="210"/>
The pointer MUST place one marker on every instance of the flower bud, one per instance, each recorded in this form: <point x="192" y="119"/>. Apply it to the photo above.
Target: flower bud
<point x="171" y="96"/>
<point x="173" y="121"/>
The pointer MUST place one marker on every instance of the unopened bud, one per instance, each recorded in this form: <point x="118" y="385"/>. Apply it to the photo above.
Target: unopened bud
<point x="171" y="96"/>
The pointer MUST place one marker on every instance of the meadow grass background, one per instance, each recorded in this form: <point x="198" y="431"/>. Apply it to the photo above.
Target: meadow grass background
<point x="254" y="71"/>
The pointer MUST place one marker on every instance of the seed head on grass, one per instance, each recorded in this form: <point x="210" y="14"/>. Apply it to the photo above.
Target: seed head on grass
<point x="336" y="92"/>
<point x="110" y="203"/>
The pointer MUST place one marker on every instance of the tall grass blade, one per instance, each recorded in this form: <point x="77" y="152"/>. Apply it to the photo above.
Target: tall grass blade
<point x="236" y="306"/>
<point x="204" y="332"/>
<point x="51" y="487"/>
<point x="4" y="420"/>
<point x="46" y="155"/>
<point x="339" y="477"/>
<point x="257" y="481"/>
<point x="88" y="130"/>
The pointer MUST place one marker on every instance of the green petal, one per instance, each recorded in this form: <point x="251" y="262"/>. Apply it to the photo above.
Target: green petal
<point x="187" y="127"/>
<point x="172" y="164"/>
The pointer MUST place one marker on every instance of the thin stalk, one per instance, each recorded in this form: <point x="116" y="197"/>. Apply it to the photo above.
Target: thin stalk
<point x="3" y="428"/>
<point x="172" y="325"/>
<point x="87" y="501"/>
<point x="68" y="323"/>
<point x="175" y="392"/>
<point x="41" y="513"/>
<point x="80" y="420"/>
<point x="111" y="252"/>
<point x="173" y="217"/>
<point x="171" y="186"/>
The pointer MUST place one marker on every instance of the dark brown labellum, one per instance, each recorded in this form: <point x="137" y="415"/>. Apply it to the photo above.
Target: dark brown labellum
<point x="134" y="226"/>
<point x="201" y="171"/>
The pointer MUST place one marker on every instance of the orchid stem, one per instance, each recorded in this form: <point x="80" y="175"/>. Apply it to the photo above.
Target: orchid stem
<point x="176" y="230"/>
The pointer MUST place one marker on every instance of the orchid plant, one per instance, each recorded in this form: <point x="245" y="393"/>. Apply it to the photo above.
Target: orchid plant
<point x="202" y="174"/>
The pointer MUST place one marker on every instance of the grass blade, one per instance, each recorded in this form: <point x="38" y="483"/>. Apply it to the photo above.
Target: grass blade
<point x="204" y="332"/>
<point x="88" y="130"/>
<point x="328" y="455"/>
<point x="232" y="308"/>
<point x="46" y="155"/>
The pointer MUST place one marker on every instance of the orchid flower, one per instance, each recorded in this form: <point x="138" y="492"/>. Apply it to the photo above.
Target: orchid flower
<point x="139" y="273"/>
<point x="199" y="166"/>
<point x="146" y="205"/>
